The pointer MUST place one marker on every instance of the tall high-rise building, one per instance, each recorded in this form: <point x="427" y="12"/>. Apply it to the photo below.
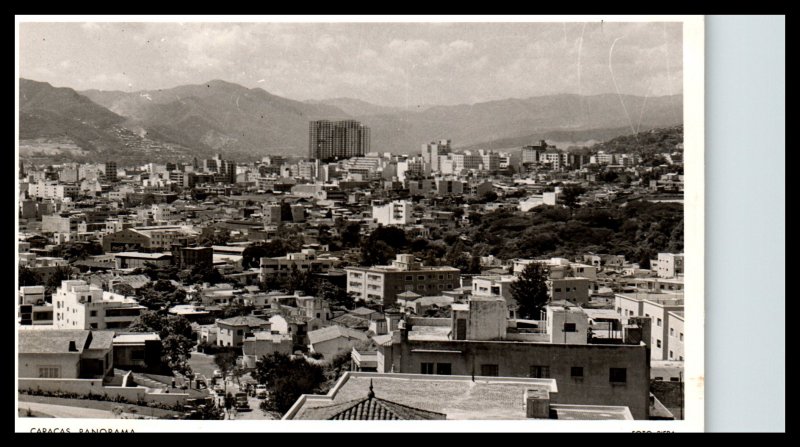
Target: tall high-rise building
<point x="111" y="171"/>
<point x="224" y="170"/>
<point x="337" y="140"/>
<point x="432" y="151"/>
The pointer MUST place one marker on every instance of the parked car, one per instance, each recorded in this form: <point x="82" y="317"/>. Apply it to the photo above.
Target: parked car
<point x="261" y="391"/>
<point x="241" y="401"/>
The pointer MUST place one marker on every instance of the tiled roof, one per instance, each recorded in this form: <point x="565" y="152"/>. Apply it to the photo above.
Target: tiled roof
<point x="362" y="311"/>
<point x="101" y="340"/>
<point x="333" y="332"/>
<point x="244" y="321"/>
<point x="351" y="321"/>
<point x="370" y="409"/>
<point x="51" y="342"/>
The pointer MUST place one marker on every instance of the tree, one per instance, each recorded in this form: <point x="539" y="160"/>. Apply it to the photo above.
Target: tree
<point x="335" y="295"/>
<point x="226" y="362"/>
<point x="377" y="253"/>
<point x="176" y="337"/>
<point x="351" y="235"/>
<point x="251" y="256"/>
<point x="123" y="289"/>
<point x="28" y="277"/>
<point x="286" y="379"/>
<point x="61" y="273"/>
<point x="570" y="195"/>
<point x="530" y="290"/>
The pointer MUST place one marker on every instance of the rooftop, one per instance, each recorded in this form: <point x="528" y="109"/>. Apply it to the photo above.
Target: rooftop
<point x="136" y="254"/>
<point x="243" y="321"/>
<point x="333" y="332"/>
<point x="54" y="341"/>
<point x="458" y="397"/>
<point x="135" y="338"/>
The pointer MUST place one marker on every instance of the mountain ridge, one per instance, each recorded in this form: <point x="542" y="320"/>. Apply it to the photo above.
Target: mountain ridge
<point x="247" y="123"/>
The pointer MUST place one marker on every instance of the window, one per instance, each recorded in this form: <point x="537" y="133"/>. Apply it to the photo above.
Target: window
<point x="681" y="336"/>
<point x="570" y="327"/>
<point x="443" y="369"/>
<point x="671" y="332"/>
<point x="617" y="375"/>
<point x="409" y="277"/>
<point x="647" y="315"/>
<point x="426" y="368"/>
<point x="658" y="322"/>
<point x="674" y="379"/>
<point x="670" y="355"/>
<point x="558" y="289"/>
<point x="240" y="332"/>
<point x="490" y="370"/>
<point x="576" y="372"/>
<point x="658" y="378"/>
<point x="540" y="372"/>
<point x="93" y="325"/>
<point x="93" y="313"/>
<point x="421" y="287"/>
<point x="49" y="372"/>
<point x="658" y="343"/>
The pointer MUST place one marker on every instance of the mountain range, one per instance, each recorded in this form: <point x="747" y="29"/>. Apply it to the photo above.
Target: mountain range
<point x="243" y="123"/>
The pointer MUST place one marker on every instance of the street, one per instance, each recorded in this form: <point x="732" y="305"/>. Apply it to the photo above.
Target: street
<point x="203" y="366"/>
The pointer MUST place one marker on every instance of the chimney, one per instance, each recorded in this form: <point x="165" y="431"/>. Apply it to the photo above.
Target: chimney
<point x="537" y="403"/>
<point x="72" y="347"/>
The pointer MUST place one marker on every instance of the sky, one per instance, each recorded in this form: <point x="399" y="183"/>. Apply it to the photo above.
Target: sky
<point x="391" y="64"/>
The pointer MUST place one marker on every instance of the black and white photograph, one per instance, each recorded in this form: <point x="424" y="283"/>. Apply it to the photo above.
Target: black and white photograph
<point x="228" y="224"/>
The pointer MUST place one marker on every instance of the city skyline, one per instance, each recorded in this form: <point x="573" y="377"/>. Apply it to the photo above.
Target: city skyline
<point x="389" y="64"/>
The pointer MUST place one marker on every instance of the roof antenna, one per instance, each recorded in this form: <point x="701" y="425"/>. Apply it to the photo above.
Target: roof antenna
<point x="371" y="393"/>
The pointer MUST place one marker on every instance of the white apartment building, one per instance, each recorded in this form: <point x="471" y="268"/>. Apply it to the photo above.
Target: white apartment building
<point x="668" y="265"/>
<point x="397" y="212"/>
<point x="77" y="305"/>
<point x="52" y="190"/>
<point x="666" y="335"/>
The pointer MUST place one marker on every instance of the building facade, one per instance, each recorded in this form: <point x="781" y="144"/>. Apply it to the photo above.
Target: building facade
<point x="382" y="284"/>
<point x="336" y="140"/>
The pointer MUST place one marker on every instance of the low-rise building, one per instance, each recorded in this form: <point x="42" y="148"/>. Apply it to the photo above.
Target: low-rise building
<point x="382" y="284"/>
<point x="305" y="261"/>
<point x="65" y="354"/>
<point x="332" y="340"/>
<point x="265" y="343"/>
<point x="233" y="331"/>
<point x="401" y="396"/>
<point x="661" y="308"/>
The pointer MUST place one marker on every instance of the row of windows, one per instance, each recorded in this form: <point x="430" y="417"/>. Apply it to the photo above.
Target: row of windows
<point x="615" y="375"/>
<point x="430" y="277"/>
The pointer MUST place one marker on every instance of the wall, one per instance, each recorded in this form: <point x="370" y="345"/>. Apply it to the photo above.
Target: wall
<point x="68" y="364"/>
<point x="675" y="338"/>
<point x="487" y="319"/>
<point x="514" y="359"/>
<point x="330" y="348"/>
<point x="87" y="386"/>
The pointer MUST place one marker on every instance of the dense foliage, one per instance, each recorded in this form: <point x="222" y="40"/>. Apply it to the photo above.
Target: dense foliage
<point x="286" y="379"/>
<point x="176" y="337"/>
<point x="530" y="291"/>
